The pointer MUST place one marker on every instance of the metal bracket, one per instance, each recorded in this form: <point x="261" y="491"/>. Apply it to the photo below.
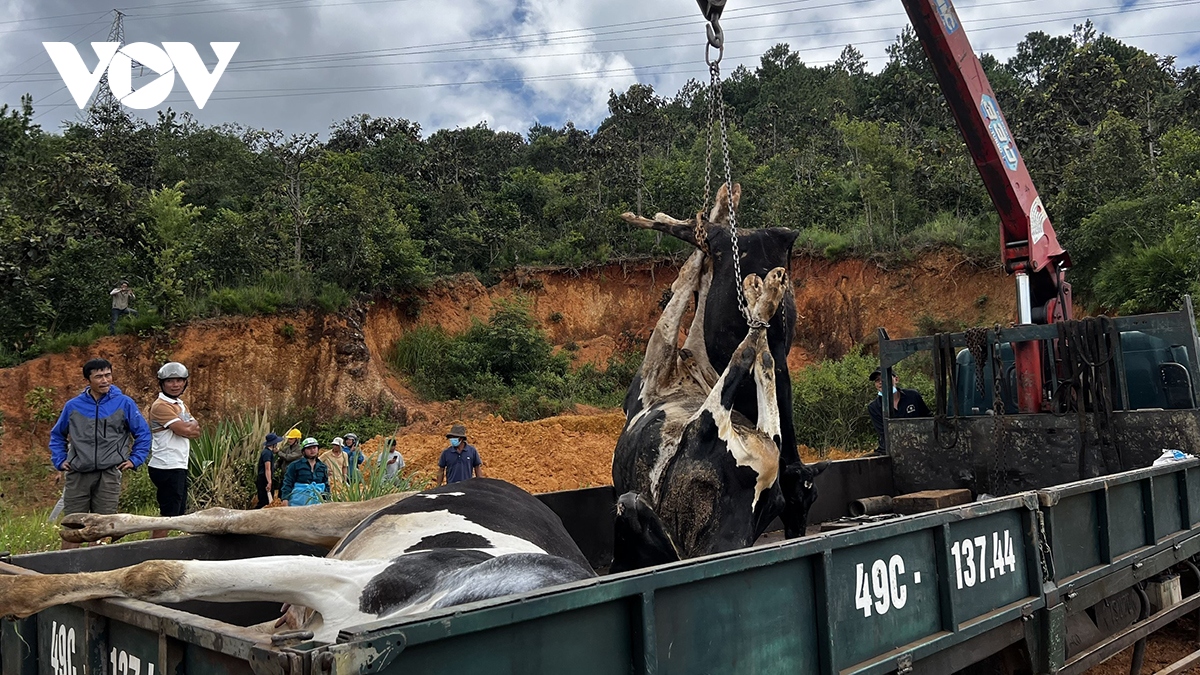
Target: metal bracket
<point x="364" y="656"/>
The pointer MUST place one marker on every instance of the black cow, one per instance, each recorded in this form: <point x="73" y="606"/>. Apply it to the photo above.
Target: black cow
<point x="393" y="556"/>
<point x="696" y="476"/>
<point x="724" y="327"/>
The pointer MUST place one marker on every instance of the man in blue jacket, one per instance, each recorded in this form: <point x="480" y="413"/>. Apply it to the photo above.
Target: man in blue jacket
<point x="98" y="422"/>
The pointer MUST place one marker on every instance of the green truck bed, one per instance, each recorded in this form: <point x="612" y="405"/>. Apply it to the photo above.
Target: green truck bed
<point x="934" y="593"/>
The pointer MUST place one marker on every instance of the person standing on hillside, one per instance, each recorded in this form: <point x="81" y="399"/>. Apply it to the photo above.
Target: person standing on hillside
<point x="99" y="422"/>
<point x="172" y="427"/>
<point x="121" y="295"/>
<point x="266" y="464"/>
<point x="459" y="461"/>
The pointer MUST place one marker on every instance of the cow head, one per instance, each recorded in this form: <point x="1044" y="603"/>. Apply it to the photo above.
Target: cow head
<point x="640" y="539"/>
<point x="799" y="492"/>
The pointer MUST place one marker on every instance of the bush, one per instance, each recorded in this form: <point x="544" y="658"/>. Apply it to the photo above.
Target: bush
<point x="332" y="298"/>
<point x="829" y="400"/>
<point x="143" y="324"/>
<point x="221" y="468"/>
<point x="138" y="493"/>
<point x="60" y="343"/>
<point x="507" y="361"/>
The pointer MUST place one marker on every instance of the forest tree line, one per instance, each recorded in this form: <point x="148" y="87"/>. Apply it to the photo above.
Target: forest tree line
<point x="207" y="220"/>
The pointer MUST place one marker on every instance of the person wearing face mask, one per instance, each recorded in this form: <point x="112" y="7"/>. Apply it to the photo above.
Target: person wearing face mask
<point x="459" y="461"/>
<point x="905" y="403"/>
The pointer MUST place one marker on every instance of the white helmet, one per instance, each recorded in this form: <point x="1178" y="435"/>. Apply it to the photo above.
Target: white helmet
<point x="173" y="370"/>
<point x="170" y="371"/>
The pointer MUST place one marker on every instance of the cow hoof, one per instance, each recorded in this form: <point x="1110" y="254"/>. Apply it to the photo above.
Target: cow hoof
<point x="79" y="528"/>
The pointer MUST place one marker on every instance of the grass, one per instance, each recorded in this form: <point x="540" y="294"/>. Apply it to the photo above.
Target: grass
<point x="28" y="531"/>
<point x="222" y="464"/>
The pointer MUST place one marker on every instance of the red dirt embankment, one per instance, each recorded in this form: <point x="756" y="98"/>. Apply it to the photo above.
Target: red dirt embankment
<point x="336" y="364"/>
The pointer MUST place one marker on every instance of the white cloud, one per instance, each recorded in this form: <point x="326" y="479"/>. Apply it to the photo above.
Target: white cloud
<point x="453" y="63"/>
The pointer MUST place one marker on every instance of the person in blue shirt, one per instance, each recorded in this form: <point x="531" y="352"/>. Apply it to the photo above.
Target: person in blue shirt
<point x="354" y="458"/>
<point x="459" y="461"/>
<point x="307" y="478"/>
<point x="99" y="423"/>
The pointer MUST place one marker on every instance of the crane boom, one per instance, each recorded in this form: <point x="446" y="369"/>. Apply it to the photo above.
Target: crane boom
<point x="1028" y="245"/>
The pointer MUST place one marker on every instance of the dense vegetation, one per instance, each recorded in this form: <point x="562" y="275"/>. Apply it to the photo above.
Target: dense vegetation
<point x="510" y="362"/>
<point x="207" y="220"/>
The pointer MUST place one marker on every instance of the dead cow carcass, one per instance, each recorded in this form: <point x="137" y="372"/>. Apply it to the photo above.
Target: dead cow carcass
<point x="696" y="476"/>
<point x="722" y="327"/>
<point x="391" y="557"/>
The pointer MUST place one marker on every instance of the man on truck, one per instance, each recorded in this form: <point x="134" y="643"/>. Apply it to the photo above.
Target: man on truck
<point x="905" y="403"/>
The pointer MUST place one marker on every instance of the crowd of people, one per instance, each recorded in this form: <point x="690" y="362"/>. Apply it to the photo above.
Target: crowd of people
<point x="102" y="433"/>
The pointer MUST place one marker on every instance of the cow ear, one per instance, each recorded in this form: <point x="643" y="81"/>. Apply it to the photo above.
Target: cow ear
<point x="737" y="195"/>
<point x="784" y="236"/>
<point x="819" y="467"/>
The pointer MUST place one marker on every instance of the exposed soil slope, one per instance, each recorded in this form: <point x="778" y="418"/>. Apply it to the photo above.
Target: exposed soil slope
<point x="336" y="364"/>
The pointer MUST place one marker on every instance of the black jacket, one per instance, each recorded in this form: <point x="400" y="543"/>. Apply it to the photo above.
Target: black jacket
<point x="911" y="405"/>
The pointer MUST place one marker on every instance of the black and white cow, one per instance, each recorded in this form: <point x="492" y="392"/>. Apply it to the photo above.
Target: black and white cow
<point x="390" y="557"/>
<point x="695" y="476"/>
<point x="724" y="327"/>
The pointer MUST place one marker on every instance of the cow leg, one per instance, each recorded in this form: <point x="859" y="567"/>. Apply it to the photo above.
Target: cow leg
<point x="696" y="362"/>
<point x="719" y="215"/>
<point x="330" y="587"/>
<point x="659" y="367"/>
<point x="319" y="524"/>
<point x="768" y="404"/>
<point x="680" y="229"/>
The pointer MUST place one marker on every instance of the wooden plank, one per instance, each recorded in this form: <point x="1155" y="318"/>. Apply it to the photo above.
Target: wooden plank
<point x="929" y="500"/>
<point x="1181" y="665"/>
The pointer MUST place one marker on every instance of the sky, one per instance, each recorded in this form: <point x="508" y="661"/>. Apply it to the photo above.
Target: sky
<point x="303" y="65"/>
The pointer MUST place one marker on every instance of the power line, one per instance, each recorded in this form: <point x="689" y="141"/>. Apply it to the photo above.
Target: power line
<point x="318" y="61"/>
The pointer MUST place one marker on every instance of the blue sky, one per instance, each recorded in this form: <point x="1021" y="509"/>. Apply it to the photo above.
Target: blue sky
<point x="305" y="64"/>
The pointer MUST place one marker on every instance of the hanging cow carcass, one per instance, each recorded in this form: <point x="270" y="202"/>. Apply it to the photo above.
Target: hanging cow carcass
<point x="720" y="325"/>
<point x="696" y="475"/>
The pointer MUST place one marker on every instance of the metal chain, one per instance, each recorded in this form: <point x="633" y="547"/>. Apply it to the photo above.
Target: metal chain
<point x="714" y="69"/>
<point x="976" y="339"/>
<point x="1000" y="457"/>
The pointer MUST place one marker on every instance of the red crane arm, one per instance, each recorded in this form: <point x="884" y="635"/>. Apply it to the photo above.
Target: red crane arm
<point x="1027" y="239"/>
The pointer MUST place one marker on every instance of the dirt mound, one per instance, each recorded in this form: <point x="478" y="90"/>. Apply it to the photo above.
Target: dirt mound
<point x="557" y="453"/>
<point x="337" y="364"/>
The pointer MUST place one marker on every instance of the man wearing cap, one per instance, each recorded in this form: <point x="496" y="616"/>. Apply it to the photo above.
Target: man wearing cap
<point x="459" y="461"/>
<point x="905" y="403"/>
<point x="121" y="295"/>
<point x="335" y="460"/>
<point x="266" y="464"/>
<point x="290" y="450"/>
